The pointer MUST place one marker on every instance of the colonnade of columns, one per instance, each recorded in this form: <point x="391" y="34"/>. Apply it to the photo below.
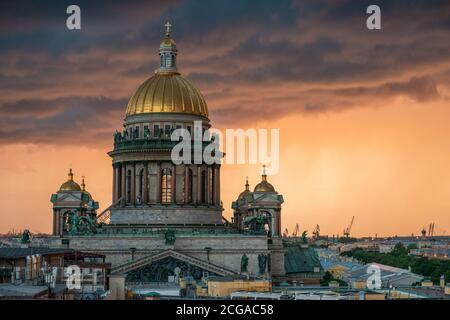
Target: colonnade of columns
<point x="200" y="184"/>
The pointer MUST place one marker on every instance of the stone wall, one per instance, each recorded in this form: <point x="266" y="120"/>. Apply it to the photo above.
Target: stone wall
<point x="224" y="250"/>
<point x="160" y="214"/>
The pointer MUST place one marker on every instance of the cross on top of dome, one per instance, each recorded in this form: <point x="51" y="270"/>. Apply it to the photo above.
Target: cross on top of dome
<point x="168" y="25"/>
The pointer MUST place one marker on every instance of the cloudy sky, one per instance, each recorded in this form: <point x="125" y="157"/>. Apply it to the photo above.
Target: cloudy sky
<point x="363" y="114"/>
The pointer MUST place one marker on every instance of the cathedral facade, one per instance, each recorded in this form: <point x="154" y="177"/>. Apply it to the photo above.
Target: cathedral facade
<point x="166" y="219"/>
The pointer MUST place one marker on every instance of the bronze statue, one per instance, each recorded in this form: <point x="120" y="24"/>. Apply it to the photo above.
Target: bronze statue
<point x="26" y="236"/>
<point x="244" y="263"/>
<point x="170" y="237"/>
<point x="262" y="262"/>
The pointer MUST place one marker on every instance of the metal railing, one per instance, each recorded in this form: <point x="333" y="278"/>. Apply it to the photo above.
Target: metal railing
<point x="104" y="216"/>
<point x="152" y="143"/>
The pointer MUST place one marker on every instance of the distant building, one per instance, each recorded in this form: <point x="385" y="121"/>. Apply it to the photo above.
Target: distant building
<point x="420" y="292"/>
<point x="223" y="287"/>
<point x="25" y="271"/>
<point x="390" y="276"/>
<point x="432" y="253"/>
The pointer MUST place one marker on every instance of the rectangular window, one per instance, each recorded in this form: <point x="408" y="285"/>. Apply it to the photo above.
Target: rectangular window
<point x="156" y="130"/>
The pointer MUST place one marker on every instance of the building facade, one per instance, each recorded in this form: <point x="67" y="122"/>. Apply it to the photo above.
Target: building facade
<point x="165" y="220"/>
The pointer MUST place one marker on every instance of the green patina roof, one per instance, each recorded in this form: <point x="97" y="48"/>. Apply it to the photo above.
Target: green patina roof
<point x="151" y="294"/>
<point x="54" y="198"/>
<point x="300" y="260"/>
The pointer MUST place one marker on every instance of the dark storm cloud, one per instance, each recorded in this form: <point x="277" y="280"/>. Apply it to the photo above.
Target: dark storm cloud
<point x="64" y="119"/>
<point x="279" y="57"/>
<point x="421" y="89"/>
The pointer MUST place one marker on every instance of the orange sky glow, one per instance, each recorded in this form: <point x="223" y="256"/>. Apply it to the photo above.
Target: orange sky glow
<point x="387" y="169"/>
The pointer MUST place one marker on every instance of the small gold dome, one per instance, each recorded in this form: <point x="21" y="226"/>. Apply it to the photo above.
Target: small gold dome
<point x="264" y="186"/>
<point x="83" y="187"/>
<point x="246" y="191"/>
<point x="168" y="43"/>
<point x="167" y="92"/>
<point x="70" y="185"/>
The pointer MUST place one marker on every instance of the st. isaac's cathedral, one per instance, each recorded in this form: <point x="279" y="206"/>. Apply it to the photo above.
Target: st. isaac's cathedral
<point x="166" y="219"/>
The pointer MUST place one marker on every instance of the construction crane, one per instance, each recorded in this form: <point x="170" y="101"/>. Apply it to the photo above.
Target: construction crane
<point x="349" y="228"/>
<point x="296" y="231"/>
<point x="286" y="233"/>
<point x="316" y="231"/>
<point x="431" y="229"/>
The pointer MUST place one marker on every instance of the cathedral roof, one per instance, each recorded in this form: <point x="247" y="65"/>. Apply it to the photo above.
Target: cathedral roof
<point x="167" y="91"/>
<point x="246" y="192"/>
<point x="300" y="260"/>
<point x="70" y="185"/>
<point x="264" y="185"/>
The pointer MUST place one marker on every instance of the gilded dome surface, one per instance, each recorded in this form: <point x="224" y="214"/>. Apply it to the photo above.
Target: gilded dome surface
<point x="70" y="185"/>
<point x="246" y="192"/>
<point x="167" y="92"/>
<point x="264" y="185"/>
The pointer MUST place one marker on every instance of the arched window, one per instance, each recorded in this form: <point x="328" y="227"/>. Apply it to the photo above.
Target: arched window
<point x="268" y="224"/>
<point x="66" y="222"/>
<point x="128" y="186"/>
<point x="203" y="187"/>
<point x="166" y="186"/>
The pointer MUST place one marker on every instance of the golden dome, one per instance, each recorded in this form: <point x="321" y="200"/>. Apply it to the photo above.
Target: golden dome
<point x="264" y="186"/>
<point x="83" y="186"/>
<point x="168" y="43"/>
<point x="246" y="191"/>
<point x="167" y="92"/>
<point x="70" y="185"/>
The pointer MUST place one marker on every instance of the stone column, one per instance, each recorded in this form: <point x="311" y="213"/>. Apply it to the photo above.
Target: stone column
<point x="54" y="223"/>
<point x="208" y="185"/>
<point x="174" y="184"/>
<point x="133" y="184"/>
<point x="199" y="184"/>
<point x="214" y="185"/>
<point x="115" y="182"/>
<point x="158" y="182"/>
<point x="61" y="223"/>
<point x="186" y="184"/>
<point x="218" y="185"/>
<point x="145" y="181"/>
<point x="123" y="191"/>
